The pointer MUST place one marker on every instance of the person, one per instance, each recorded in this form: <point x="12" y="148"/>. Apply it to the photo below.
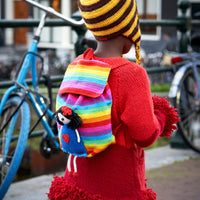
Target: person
<point x="138" y="119"/>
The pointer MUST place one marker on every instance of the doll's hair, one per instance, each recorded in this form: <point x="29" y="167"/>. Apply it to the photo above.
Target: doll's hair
<point x="107" y="19"/>
<point x="75" y="120"/>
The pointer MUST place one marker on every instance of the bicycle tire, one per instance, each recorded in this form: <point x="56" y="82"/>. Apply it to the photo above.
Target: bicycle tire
<point x="9" y="164"/>
<point x="189" y="111"/>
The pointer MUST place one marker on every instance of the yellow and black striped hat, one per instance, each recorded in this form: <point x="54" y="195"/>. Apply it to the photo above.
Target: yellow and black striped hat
<point x="107" y="19"/>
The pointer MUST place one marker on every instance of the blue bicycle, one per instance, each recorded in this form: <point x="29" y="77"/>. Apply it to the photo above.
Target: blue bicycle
<point x="15" y="112"/>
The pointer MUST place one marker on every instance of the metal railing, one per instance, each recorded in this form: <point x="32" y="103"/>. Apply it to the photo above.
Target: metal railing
<point x="58" y="78"/>
<point x="183" y="23"/>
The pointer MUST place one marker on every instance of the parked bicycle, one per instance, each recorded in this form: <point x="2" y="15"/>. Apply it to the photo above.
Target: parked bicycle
<point x="15" y="112"/>
<point x="185" y="94"/>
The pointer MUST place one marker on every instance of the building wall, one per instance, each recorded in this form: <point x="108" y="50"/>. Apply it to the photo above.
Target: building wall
<point x="169" y="11"/>
<point x="62" y="35"/>
<point x="58" y="37"/>
<point x="20" y="12"/>
<point x="195" y="14"/>
<point x="9" y="15"/>
<point x="2" y="16"/>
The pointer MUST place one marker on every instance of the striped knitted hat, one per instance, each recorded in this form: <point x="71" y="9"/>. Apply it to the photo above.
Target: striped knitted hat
<point x="110" y="18"/>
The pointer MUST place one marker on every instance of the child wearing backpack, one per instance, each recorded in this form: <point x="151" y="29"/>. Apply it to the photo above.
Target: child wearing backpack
<point x="115" y="114"/>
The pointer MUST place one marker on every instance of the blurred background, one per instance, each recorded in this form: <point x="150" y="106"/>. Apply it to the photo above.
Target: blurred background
<point x="57" y="42"/>
<point x="57" y="47"/>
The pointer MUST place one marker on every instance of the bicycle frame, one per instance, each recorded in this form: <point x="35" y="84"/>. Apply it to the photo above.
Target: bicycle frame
<point x="37" y="102"/>
<point x="193" y="65"/>
<point x="20" y="86"/>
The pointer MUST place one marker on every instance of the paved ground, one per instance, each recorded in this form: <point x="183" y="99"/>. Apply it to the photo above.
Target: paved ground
<point x="171" y="179"/>
<point x="179" y="181"/>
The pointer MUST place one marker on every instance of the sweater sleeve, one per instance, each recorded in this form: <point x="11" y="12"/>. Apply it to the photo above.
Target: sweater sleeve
<point x="144" y="121"/>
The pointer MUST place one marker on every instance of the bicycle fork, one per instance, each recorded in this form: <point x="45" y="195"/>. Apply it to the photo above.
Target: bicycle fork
<point x="197" y="87"/>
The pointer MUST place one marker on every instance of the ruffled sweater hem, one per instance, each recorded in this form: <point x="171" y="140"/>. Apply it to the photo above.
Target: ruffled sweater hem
<point x="61" y="190"/>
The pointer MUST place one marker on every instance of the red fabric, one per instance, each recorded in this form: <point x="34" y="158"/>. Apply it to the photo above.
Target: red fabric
<point x="60" y="190"/>
<point x="137" y="121"/>
<point x="162" y="107"/>
<point x="112" y="174"/>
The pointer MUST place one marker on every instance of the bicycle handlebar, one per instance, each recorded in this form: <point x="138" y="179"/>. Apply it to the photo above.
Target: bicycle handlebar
<point x="55" y="13"/>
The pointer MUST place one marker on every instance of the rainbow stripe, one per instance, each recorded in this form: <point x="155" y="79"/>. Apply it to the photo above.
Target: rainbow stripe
<point x="85" y="78"/>
<point x="85" y="89"/>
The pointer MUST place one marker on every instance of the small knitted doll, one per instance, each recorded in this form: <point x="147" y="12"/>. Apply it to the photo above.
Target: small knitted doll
<point x="70" y="140"/>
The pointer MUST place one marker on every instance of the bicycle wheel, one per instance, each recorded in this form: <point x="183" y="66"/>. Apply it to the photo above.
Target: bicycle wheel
<point x="189" y="111"/>
<point x="12" y="140"/>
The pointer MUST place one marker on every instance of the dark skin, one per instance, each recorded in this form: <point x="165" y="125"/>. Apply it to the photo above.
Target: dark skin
<point x="115" y="47"/>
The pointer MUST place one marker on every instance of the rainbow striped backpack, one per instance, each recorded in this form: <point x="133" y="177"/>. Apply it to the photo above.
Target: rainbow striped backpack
<point x="85" y="90"/>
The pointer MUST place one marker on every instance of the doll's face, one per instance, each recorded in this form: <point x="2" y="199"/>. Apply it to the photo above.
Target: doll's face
<point x="63" y="119"/>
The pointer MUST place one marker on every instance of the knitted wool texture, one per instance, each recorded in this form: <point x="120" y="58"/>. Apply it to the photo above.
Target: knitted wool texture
<point x="137" y="121"/>
<point x="107" y="19"/>
<point x="85" y="90"/>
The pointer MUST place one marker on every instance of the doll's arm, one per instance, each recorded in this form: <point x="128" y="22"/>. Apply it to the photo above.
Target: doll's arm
<point x="78" y="136"/>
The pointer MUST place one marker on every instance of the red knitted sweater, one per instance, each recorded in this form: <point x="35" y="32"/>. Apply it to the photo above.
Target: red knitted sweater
<point x="138" y="119"/>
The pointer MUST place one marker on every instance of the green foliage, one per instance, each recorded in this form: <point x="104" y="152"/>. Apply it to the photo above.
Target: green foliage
<point x="160" y="88"/>
<point x="34" y="143"/>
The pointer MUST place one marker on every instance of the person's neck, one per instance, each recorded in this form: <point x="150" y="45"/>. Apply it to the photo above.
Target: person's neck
<point x="104" y="53"/>
<point x="107" y="49"/>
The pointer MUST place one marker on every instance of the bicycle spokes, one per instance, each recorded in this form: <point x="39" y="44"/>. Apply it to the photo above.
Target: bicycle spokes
<point x="188" y="104"/>
<point x="8" y="131"/>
